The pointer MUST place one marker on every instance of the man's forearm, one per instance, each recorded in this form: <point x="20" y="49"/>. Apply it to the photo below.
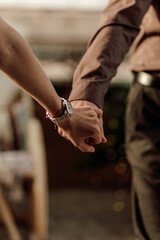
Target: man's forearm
<point x="99" y="64"/>
<point x="107" y="48"/>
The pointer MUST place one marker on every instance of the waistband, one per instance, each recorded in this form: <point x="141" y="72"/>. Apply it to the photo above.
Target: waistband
<point x="147" y="79"/>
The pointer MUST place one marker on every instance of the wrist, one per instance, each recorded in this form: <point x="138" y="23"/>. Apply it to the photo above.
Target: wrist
<point x="62" y="114"/>
<point x="56" y="112"/>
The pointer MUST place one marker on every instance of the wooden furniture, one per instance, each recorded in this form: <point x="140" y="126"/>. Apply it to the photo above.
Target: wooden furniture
<point x="26" y="166"/>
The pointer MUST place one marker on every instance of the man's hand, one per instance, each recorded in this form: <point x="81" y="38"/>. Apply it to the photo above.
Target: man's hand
<point x="84" y="103"/>
<point x="85" y="127"/>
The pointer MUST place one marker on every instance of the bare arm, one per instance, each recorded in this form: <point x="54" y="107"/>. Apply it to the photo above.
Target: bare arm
<point x="19" y="63"/>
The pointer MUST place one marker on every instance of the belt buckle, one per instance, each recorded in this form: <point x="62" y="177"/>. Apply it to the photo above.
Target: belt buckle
<point x="145" y="79"/>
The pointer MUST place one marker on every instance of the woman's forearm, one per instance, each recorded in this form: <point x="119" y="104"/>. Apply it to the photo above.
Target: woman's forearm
<point x="19" y="63"/>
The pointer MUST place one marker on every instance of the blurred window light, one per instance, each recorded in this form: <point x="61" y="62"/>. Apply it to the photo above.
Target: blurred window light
<point x="61" y="4"/>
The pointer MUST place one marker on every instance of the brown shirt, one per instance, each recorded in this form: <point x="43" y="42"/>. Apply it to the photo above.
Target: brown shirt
<point x="123" y="22"/>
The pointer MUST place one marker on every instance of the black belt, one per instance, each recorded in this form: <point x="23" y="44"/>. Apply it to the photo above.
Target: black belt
<point x="147" y="79"/>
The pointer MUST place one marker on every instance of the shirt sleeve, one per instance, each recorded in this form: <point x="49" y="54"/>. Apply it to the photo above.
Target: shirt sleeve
<point x="119" y="26"/>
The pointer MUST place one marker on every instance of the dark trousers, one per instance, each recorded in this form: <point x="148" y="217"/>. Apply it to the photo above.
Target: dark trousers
<point x="143" y="151"/>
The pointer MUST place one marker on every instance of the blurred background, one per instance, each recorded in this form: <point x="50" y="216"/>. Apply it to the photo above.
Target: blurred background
<point x="89" y="194"/>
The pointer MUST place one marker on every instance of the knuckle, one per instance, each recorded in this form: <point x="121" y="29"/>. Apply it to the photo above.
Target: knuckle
<point x="97" y="131"/>
<point x="97" y="122"/>
<point x="96" y="127"/>
<point x="100" y="113"/>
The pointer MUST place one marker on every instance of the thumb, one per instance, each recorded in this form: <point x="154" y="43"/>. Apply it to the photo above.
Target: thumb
<point x="86" y="146"/>
<point x="104" y="140"/>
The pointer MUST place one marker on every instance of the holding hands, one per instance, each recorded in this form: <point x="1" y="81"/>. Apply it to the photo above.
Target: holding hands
<point x="85" y="127"/>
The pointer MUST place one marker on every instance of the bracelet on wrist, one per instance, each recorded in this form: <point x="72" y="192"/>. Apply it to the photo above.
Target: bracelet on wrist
<point x="63" y="114"/>
<point x="57" y="113"/>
